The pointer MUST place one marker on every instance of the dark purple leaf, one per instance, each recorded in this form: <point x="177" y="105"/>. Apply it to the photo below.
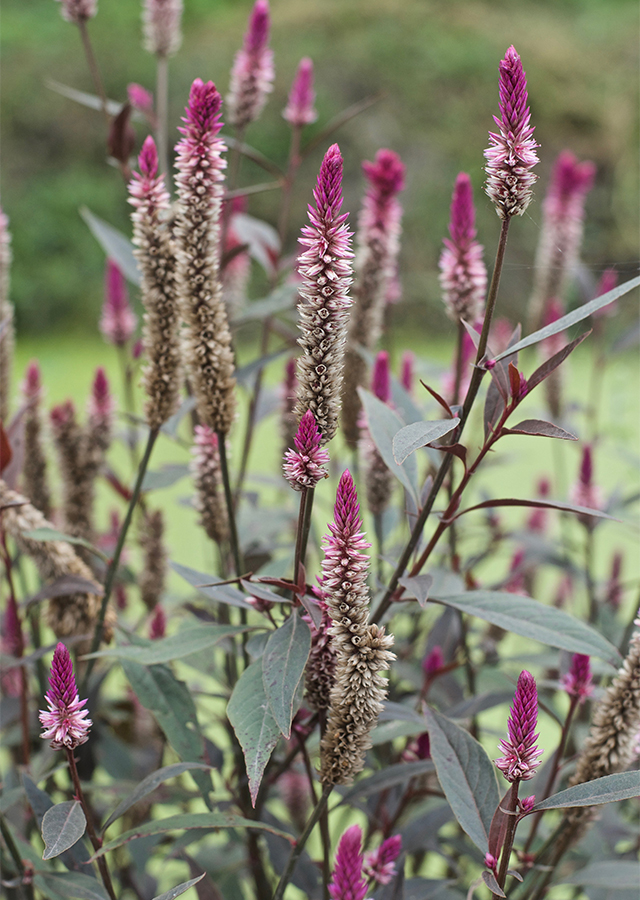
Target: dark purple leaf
<point x="540" y="428"/>
<point x="436" y="396"/>
<point x="542" y="504"/>
<point x="419" y="586"/>
<point x="490" y="880"/>
<point x="65" y="585"/>
<point x="554" y="361"/>
<point x="456" y="449"/>
<point x="498" y="828"/>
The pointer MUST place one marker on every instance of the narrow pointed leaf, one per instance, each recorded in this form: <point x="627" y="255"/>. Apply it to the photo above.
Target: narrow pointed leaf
<point x="115" y="244"/>
<point x="419" y="434"/>
<point x="179" y="889"/>
<point x="419" y="586"/>
<point x="209" y="587"/>
<point x="384" y="424"/>
<point x="467" y="776"/>
<point x="210" y="820"/>
<point x="540" y="428"/>
<point x="52" y="534"/>
<point x="389" y="777"/>
<point x="72" y="884"/>
<point x="609" y="788"/>
<point x="577" y="315"/>
<point x="612" y="874"/>
<point x="92" y="101"/>
<point x="254" y="724"/>
<point x="283" y="663"/>
<point x="62" y="826"/>
<point x="149" y="784"/>
<point x="542" y="504"/>
<point x="184" y="643"/>
<point x="490" y="880"/>
<point x="498" y="829"/>
<point x="534" y="620"/>
<point x="543" y="371"/>
<point x="169" y="474"/>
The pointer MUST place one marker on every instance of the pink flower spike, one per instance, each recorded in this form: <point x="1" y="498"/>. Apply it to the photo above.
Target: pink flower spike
<point x="78" y="11"/>
<point x="379" y="865"/>
<point x="65" y="723"/>
<point x="299" y="110"/>
<point x="303" y="466"/>
<point x="140" y="98"/>
<point x="158" y="626"/>
<point x="608" y="281"/>
<point x="512" y="153"/>
<point x="161" y="26"/>
<point x="32" y="384"/>
<point x="407" y="371"/>
<point x="433" y="661"/>
<point x="527" y="804"/>
<point x="463" y="274"/>
<point x="101" y="402"/>
<point x="490" y="861"/>
<point x="347" y="882"/>
<point x="577" y="681"/>
<point x="252" y="73"/>
<point x="381" y="378"/>
<point x="521" y="757"/>
<point x="585" y="492"/>
<point x="537" y="521"/>
<point x="118" y="321"/>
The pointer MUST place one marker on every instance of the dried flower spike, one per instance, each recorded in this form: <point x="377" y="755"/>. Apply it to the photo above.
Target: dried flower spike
<point x="463" y="274"/>
<point x="34" y="469"/>
<point x="379" y="481"/>
<point x="252" y="73"/>
<point x="200" y="189"/>
<point x="205" y="467"/>
<point x="320" y="669"/>
<point x="78" y="11"/>
<point x="156" y="258"/>
<point x="347" y="882"/>
<point x="521" y="756"/>
<point x="512" y="154"/>
<point x="299" y="110"/>
<point x="65" y="722"/>
<point x="303" y="467"/>
<point x="161" y="26"/>
<point x="151" y="580"/>
<point x="577" y="681"/>
<point x="325" y="268"/>
<point x="118" y="321"/>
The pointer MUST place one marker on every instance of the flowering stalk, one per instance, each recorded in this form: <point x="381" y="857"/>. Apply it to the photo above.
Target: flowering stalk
<point x="463" y="274"/>
<point x="348" y="883"/>
<point x="152" y="578"/>
<point x="162" y="37"/>
<point x="252" y="73"/>
<point x="205" y="467"/>
<point x="298" y="113"/>
<point x="34" y="470"/>
<point x="325" y="269"/>
<point x="379" y="865"/>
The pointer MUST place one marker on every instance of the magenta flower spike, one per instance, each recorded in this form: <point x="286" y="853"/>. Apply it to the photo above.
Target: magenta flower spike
<point x="433" y="661"/>
<point x="379" y="865"/>
<point x="512" y="154"/>
<point x="78" y="11"/>
<point x="12" y="637"/>
<point x="32" y="384"/>
<point x="161" y="26"/>
<point x="300" y="111"/>
<point x="101" y="402"/>
<point x="577" y="681"/>
<point x="325" y="268"/>
<point x="521" y="757"/>
<point x="158" y="626"/>
<point x="118" y="321"/>
<point x="614" y="586"/>
<point x="252" y="73"/>
<point x="537" y="521"/>
<point x="347" y="882"/>
<point x="140" y="98"/>
<point x="585" y="492"/>
<point x="463" y="274"/>
<point x="407" y="366"/>
<point x="303" y="467"/>
<point x="65" y="722"/>
<point x="381" y="378"/>
<point x="608" y="280"/>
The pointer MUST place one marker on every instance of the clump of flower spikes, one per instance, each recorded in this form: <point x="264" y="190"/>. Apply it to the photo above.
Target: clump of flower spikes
<point x="65" y="722"/>
<point x="207" y="336"/>
<point x="463" y="274"/>
<point x="521" y="756"/>
<point x="362" y="650"/>
<point x="512" y="152"/>
<point x="304" y="466"/>
<point x="252" y="73"/>
<point x="325" y="269"/>
<point x="156" y="258"/>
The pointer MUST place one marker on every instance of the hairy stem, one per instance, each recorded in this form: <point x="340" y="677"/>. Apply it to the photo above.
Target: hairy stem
<point x="296" y="851"/>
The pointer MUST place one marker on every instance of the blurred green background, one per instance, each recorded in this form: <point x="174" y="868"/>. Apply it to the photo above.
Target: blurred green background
<point x="436" y="61"/>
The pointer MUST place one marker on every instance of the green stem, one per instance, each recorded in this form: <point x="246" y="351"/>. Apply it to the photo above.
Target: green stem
<point x="476" y="378"/>
<point x="113" y="565"/>
<point x="588" y="571"/>
<point x="296" y="851"/>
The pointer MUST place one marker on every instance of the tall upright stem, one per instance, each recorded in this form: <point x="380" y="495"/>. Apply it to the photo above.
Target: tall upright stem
<point x="476" y="378"/>
<point x="512" y="804"/>
<point x="297" y="559"/>
<point x="93" y="67"/>
<point x="228" y="496"/>
<point x="296" y="851"/>
<point x="162" y="116"/>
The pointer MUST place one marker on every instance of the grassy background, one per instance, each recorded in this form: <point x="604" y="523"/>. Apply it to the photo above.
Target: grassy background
<point x="436" y="61"/>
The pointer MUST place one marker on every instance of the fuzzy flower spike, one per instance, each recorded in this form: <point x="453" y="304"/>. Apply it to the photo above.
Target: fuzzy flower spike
<point x="65" y="723"/>
<point x="252" y="73"/>
<point x="78" y="11"/>
<point x="200" y="189"/>
<point x="161" y="26"/>
<point x="521" y="757"/>
<point x="512" y="154"/>
<point x="303" y="467"/>
<point x="463" y="274"/>
<point x="325" y="268"/>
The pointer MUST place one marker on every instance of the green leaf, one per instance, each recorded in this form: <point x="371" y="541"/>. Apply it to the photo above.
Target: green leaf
<point x="172" y="704"/>
<point x="184" y="643"/>
<point x="383" y="424"/>
<point x="280" y="300"/>
<point x="74" y="858"/>
<point x="62" y="826"/>
<point x="166" y="476"/>
<point x="209" y="586"/>
<point x="609" y="788"/>
<point x="577" y="315"/>
<point x="467" y="776"/>
<point x="419" y="434"/>
<point x="149" y="784"/>
<point x="72" y="884"/>
<point x="283" y="663"/>
<point x="611" y="874"/>
<point x="419" y="586"/>
<point x="254" y="724"/>
<point x="211" y="820"/>
<point x="388" y="777"/>
<point x="115" y="244"/>
<point x="51" y="534"/>
<point x="534" y="620"/>
<point x="179" y="889"/>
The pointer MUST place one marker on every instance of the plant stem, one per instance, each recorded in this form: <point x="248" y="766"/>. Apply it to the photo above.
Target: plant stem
<point x="588" y="571"/>
<point x="306" y="525"/>
<point x="162" y="113"/>
<point x="15" y="854"/>
<point x="93" y="67"/>
<point x="96" y="842"/>
<point x="296" y="851"/>
<point x="512" y="805"/>
<point x="476" y="378"/>
<point x="113" y="565"/>
<point x="228" y="496"/>
<point x="129" y="404"/>
<point x="297" y="559"/>
<point x="292" y="168"/>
